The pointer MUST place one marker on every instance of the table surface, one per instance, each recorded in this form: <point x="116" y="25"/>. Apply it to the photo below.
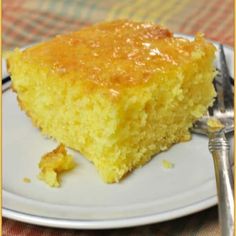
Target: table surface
<point x="26" y="21"/>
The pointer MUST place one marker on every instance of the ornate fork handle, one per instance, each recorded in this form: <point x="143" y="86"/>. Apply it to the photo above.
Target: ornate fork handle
<point x="219" y="147"/>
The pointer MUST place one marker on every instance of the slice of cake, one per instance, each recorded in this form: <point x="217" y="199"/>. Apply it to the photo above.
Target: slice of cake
<point x="118" y="92"/>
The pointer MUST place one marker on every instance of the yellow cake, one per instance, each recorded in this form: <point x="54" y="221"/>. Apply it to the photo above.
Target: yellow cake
<point x="118" y="92"/>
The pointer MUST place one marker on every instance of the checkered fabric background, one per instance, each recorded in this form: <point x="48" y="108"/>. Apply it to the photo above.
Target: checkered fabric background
<point x="29" y="21"/>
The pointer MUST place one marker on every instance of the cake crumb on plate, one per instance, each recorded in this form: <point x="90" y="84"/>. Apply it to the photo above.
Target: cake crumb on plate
<point x="26" y="180"/>
<point x="53" y="163"/>
<point x="167" y="164"/>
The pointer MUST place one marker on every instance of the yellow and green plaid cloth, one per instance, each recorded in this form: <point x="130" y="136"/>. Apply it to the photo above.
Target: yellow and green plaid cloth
<point x="29" y="21"/>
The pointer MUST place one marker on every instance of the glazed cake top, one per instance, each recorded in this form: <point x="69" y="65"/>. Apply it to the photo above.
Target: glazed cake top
<point x="114" y="54"/>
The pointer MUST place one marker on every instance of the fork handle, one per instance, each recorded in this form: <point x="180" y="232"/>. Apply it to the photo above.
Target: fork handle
<point x="219" y="147"/>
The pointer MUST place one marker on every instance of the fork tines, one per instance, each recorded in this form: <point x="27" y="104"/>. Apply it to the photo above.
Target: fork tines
<point x="223" y="86"/>
<point x="227" y="95"/>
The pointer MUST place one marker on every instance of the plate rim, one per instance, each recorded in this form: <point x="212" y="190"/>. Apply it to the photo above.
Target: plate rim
<point x="114" y="223"/>
<point x="110" y="224"/>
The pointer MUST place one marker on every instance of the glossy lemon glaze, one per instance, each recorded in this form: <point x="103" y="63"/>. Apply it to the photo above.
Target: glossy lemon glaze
<point x="113" y="54"/>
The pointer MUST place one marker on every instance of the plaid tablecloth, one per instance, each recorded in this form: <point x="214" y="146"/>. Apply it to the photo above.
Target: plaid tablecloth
<point x="28" y="21"/>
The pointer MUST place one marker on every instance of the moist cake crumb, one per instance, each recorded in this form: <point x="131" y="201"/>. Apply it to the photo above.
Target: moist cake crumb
<point x="167" y="164"/>
<point x="26" y="180"/>
<point x="52" y="164"/>
<point x="214" y="124"/>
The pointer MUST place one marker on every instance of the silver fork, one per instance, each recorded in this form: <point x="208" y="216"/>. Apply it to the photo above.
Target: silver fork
<point x="222" y="110"/>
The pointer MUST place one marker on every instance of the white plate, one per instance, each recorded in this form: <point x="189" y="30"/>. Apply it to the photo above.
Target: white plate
<point x="150" y="194"/>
